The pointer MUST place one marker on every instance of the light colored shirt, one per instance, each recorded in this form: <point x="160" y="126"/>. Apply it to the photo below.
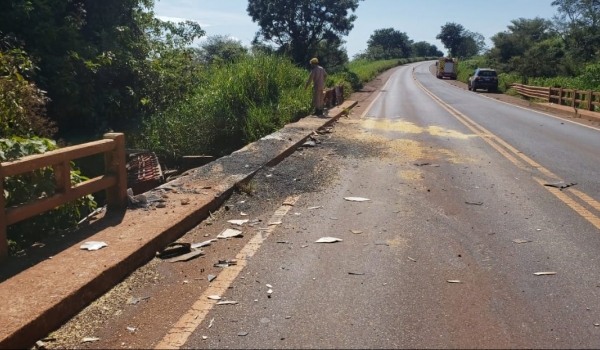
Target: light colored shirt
<point x="318" y="77"/>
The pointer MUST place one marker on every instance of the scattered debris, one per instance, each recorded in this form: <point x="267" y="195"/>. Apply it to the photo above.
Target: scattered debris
<point x="185" y="201"/>
<point x="242" y="334"/>
<point x="545" y="273"/>
<point x="38" y="244"/>
<point x="328" y="240"/>
<point x="214" y="297"/>
<point x="230" y="233"/>
<point x="210" y="324"/>
<point x="521" y="241"/>
<point x="202" y="244"/>
<point x="356" y="199"/>
<point x="40" y="345"/>
<point x="454" y="281"/>
<point x="275" y="223"/>
<point x="225" y="263"/>
<point x="317" y="207"/>
<point x="411" y="259"/>
<point x="333" y="218"/>
<point x="92" y="245"/>
<point x="133" y="301"/>
<point x="174" y="249"/>
<point x="204" y="337"/>
<point x="283" y="242"/>
<point x="381" y="243"/>
<point x="211" y="278"/>
<point x="270" y="291"/>
<point x="238" y="222"/>
<point x="474" y="203"/>
<point x="422" y="164"/>
<point x="356" y="232"/>
<point x="131" y="329"/>
<point x="90" y="340"/>
<point x="561" y="185"/>
<point x="289" y="202"/>
<point x="243" y="214"/>
<point x="356" y="273"/>
<point x="309" y="144"/>
<point x="303" y="246"/>
<point x="187" y="257"/>
<point x="227" y="302"/>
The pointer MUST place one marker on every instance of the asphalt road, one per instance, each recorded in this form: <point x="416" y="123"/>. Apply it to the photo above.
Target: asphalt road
<point x="453" y="177"/>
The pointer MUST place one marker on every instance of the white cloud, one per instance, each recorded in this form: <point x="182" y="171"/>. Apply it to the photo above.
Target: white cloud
<point x="179" y="19"/>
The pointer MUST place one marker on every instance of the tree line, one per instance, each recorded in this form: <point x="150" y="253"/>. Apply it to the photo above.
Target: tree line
<point x="567" y="45"/>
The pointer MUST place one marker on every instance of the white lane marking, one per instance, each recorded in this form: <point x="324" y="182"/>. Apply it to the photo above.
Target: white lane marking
<point x="189" y="322"/>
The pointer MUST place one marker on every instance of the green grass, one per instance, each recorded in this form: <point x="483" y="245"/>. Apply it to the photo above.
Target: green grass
<point x="238" y="103"/>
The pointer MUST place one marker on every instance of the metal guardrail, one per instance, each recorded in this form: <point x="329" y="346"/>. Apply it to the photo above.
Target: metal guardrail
<point x="588" y="99"/>
<point x="114" y="181"/>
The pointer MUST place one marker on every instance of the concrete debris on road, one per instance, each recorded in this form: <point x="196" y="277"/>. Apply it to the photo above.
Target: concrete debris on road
<point x="90" y="340"/>
<point x="474" y="203"/>
<point x="238" y="222"/>
<point x="521" y="241"/>
<point x="131" y="329"/>
<point x="356" y="232"/>
<point x="229" y="233"/>
<point x="454" y="281"/>
<point x="242" y="334"/>
<point x="210" y="324"/>
<point x="243" y="214"/>
<point x="174" y="249"/>
<point x="92" y="245"/>
<point x="186" y="257"/>
<point x="225" y="263"/>
<point x="309" y="144"/>
<point x="214" y="297"/>
<point x="268" y="285"/>
<point x="203" y="244"/>
<point x="328" y="240"/>
<point x="270" y="291"/>
<point x="317" y="207"/>
<point x="185" y="201"/>
<point x="545" y="273"/>
<point x="356" y="199"/>
<point x="227" y="302"/>
<point x="356" y="273"/>
<point x="275" y="223"/>
<point x="411" y="259"/>
<point x="561" y="185"/>
<point x="422" y="164"/>
<point x="211" y="278"/>
<point x="381" y="243"/>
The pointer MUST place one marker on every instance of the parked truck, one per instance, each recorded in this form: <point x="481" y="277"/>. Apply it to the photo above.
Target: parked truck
<point x="447" y="68"/>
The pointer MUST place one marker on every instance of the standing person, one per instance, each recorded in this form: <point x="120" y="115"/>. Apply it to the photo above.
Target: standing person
<point x="318" y="75"/>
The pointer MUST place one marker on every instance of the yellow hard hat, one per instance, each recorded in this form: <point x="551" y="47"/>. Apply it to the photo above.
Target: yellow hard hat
<point x="314" y="61"/>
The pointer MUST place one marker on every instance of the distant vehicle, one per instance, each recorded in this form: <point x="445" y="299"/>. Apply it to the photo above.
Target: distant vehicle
<point x="483" y="78"/>
<point x="447" y="68"/>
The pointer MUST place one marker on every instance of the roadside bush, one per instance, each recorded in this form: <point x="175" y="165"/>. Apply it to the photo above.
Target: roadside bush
<point x="239" y="103"/>
<point x="22" y="104"/>
<point x="38" y="184"/>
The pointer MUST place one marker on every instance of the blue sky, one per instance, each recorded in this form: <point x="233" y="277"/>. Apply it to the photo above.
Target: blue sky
<point x="420" y="19"/>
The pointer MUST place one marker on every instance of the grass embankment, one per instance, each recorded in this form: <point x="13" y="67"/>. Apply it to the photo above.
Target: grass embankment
<point x="239" y="103"/>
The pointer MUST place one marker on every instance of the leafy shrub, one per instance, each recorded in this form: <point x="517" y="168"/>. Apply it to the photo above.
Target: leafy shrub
<point x="22" y="104"/>
<point x="38" y="184"/>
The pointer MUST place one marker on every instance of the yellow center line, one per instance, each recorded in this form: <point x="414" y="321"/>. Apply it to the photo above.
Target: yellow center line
<point x="508" y="152"/>
<point x="190" y="321"/>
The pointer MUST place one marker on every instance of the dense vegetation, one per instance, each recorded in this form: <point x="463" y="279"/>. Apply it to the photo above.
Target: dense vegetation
<point x="72" y="70"/>
<point x="560" y="52"/>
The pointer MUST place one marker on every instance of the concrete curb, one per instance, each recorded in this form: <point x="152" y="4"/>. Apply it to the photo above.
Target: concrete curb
<point x="41" y="298"/>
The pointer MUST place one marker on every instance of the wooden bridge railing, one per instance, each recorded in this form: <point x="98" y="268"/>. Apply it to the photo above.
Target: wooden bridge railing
<point x="114" y="181"/>
<point x="564" y="97"/>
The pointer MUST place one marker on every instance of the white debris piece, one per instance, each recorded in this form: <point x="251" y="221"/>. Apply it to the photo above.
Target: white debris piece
<point x="90" y="340"/>
<point x="328" y="240"/>
<point x="92" y="245"/>
<point x="356" y="199"/>
<point x="238" y="222"/>
<point x="229" y="233"/>
<point x="214" y="297"/>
